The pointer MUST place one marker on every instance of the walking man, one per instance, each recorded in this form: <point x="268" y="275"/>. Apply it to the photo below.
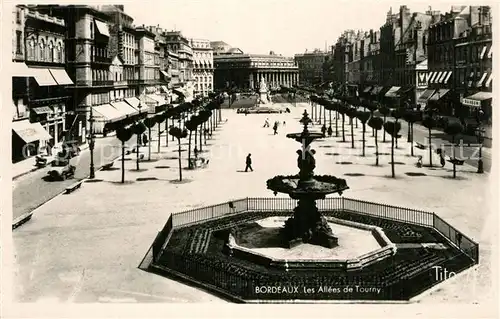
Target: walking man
<point x="275" y="128"/>
<point x="249" y="163"/>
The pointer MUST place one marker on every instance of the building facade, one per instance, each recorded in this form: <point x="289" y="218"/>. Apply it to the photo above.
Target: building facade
<point x="473" y="81"/>
<point x="203" y="67"/>
<point x="39" y="82"/>
<point x="245" y="71"/>
<point x="310" y="66"/>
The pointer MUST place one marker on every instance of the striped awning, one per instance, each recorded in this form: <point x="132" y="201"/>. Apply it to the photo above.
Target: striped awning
<point x="481" y="81"/>
<point x="393" y="91"/>
<point x="426" y="95"/>
<point x="439" y="94"/>
<point x="448" y="76"/>
<point x="437" y="77"/>
<point x="490" y="79"/>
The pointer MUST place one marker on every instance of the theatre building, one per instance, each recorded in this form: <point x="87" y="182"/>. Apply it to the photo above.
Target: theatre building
<point x="39" y="82"/>
<point x="245" y="71"/>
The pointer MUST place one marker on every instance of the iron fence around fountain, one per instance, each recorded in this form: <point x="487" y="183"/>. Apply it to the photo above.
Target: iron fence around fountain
<point x="464" y="243"/>
<point x="331" y="204"/>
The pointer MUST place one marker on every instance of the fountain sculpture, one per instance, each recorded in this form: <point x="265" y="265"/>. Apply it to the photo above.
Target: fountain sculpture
<point x="263" y="92"/>
<point x="307" y="225"/>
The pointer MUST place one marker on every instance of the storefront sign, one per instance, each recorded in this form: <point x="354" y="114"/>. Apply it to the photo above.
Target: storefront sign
<point x="473" y="103"/>
<point x="422" y="79"/>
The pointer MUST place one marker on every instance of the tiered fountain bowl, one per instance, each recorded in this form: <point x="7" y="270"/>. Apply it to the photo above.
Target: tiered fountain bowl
<point x="307" y="225"/>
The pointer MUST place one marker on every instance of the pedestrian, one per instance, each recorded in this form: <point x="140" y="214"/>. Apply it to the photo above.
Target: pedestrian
<point x="330" y="131"/>
<point x="144" y="139"/>
<point x="419" y="161"/>
<point x="275" y="128"/>
<point x="196" y="152"/>
<point x="441" y="156"/>
<point x="284" y="123"/>
<point x="323" y="130"/>
<point x="249" y="163"/>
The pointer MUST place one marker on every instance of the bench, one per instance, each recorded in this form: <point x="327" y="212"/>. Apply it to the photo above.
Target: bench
<point x="456" y="161"/>
<point x="73" y="187"/>
<point x="420" y="146"/>
<point x="106" y="167"/>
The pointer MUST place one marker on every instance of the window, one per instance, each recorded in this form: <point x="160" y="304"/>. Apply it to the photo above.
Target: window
<point x="31" y="49"/>
<point x="18" y="41"/>
<point x="60" y="53"/>
<point x="51" y="52"/>
<point x="42" y="56"/>
<point x="116" y="77"/>
<point x="424" y="44"/>
<point x="92" y="29"/>
<point x="18" y="15"/>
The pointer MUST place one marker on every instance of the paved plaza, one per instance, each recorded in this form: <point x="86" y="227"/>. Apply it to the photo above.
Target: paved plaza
<point x="86" y="246"/>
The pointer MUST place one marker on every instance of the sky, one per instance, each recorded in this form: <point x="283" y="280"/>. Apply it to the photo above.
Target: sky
<point x="286" y="27"/>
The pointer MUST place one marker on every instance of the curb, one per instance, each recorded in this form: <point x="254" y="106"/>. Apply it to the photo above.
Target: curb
<point x="27" y="216"/>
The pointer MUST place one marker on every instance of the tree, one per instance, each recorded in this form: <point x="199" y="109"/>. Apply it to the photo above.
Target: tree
<point x="392" y="128"/>
<point x="397" y="114"/>
<point x="342" y="109"/>
<point x="454" y="128"/>
<point x="178" y="134"/>
<point x="411" y="117"/>
<point x="429" y="122"/>
<point x="372" y="107"/>
<point x="192" y="125"/>
<point x="139" y="128"/>
<point x="149" y="122"/>
<point x="351" y="112"/>
<point x="159" y="118"/>
<point x="376" y="123"/>
<point x="363" y="117"/>
<point x="123" y="134"/>
<point x="385" y="111"/>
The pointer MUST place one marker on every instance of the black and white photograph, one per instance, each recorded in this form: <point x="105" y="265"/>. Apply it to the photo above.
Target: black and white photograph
<point x="335" y="153"/>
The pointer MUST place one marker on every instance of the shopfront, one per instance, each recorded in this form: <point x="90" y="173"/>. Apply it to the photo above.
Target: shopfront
<point x="28" y="139"/>
<point x="479" y="101"/>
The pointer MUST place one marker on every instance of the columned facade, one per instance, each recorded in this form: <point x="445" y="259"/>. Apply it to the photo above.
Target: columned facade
<point x="245" y="71"/>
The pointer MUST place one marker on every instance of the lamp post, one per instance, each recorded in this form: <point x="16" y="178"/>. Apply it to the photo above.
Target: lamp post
<point x="480" y="137"/>
<point x="91" y="145"/>
<point x="138" y="138"/>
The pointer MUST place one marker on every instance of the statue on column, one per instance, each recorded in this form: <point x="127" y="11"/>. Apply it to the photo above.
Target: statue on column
<point x="263" y="92"/>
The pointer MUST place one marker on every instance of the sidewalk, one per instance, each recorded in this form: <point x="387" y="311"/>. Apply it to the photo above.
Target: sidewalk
<point x="123" y="219"/>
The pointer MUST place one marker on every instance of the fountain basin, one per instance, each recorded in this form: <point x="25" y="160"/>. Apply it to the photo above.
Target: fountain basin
<point x="316" y="188"/>
<point x="362" y="245"/>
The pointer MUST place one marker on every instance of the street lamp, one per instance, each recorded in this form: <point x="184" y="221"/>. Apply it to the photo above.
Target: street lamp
<point x="480" y="138"/>
<point x="139" y="106"/>
<point x="91" y="144"/>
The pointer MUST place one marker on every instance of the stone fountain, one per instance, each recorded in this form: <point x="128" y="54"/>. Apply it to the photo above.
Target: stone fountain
<point x="307" y="225"/>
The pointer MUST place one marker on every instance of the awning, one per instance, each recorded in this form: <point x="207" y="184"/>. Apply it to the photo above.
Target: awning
<point x="21" y="70"/>
<point x="490" y="52"/>
<point x="61" y="77"/>
<point x="376" y="90"/>
<point x="42" y="77"/>
<point x="426" y="95"/>
<point x="392" y="91"/>
<point x="164" y="88"/>
<point x="439" y="94"/>
<point x="42" y="110"/>
<point x="405" y="90"/>
<point x="102" y="28"/>
<point x="165" y="74"/>
<point x="107" y="113"/>
<point x="447" y="79"/>
<point x="367" y="89"/>
<point x="179" y="92"/>
<point x="157" y="98"/>
<point x="432" y="76"/>
<point x="437" y="77"/>
<point x="480" y="83"/>
<point x="476" y="99"/>
<point x="30" y="132"/>
<point x="488" y="82"/>
<point x="444" y="76"/>
<point x="483" y="51"/>
<point x="124" y="108"/>
<point x="134" y="102"/>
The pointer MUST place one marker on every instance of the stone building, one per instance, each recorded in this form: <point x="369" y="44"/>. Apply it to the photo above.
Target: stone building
<point x="370" y="74"/>
<point x="39" y="81"/>
<point x="245" y="71"/>
<point x="473" y="69"/>
<point x="203" y="67"/>
<point x="181" y="55"/>
<point x="310" y="66"/>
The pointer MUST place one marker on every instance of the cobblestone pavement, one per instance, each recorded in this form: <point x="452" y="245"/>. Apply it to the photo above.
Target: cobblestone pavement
<point x="86" y="246"/>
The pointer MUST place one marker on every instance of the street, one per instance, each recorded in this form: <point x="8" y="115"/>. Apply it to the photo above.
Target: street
<point x="32" y="190"/>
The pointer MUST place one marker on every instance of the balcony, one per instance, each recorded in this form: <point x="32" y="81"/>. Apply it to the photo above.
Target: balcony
<point x="102" y="83"/>
<point x="120" y="83"/>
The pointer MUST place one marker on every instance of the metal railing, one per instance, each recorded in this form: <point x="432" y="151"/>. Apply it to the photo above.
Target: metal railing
<point x="279" y="204"/>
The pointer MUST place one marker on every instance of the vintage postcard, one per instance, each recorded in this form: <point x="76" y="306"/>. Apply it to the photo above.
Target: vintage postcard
<point x="249" y="152"/>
